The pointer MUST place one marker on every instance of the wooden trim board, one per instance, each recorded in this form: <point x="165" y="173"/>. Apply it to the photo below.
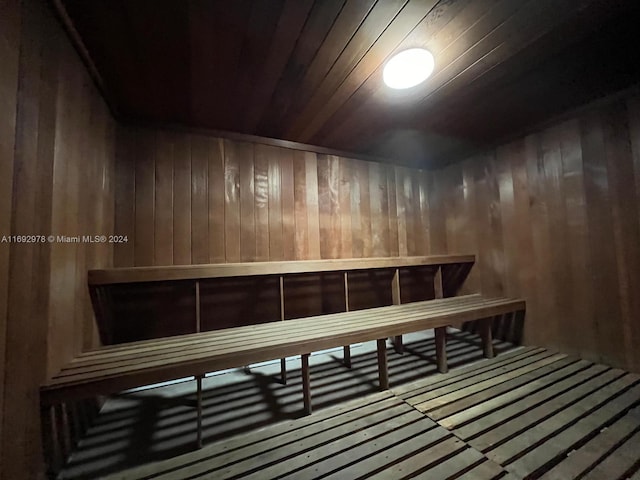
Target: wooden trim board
<point x="192" y="272"/>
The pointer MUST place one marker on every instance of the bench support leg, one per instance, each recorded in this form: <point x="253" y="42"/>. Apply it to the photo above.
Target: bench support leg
<point x="487" y="338"/>
<point x="283" y="371"/>
<point x="383" y="368"/>
<point x="306" y="384"/>
<point x="398" y="345"/>
<point x="346" y="355"/>
<point x="199" y="411"/>
<point x="441" y="349"/>
<point x="50" y="441"/>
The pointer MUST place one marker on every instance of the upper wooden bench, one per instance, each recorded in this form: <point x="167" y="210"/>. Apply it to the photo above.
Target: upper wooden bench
<point x="114" y="368"/>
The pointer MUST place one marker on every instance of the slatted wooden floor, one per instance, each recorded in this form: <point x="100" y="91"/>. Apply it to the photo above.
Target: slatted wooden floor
<point x="529" y="413"/>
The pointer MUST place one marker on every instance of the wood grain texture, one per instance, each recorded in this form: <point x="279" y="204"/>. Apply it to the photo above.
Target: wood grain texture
<point x="540" y="212"/>
<point x="190" y="272"/>
<point x="261" y="204"/>
<point x="311" y="71"/>
<point x="626" y="229"/>
<point x="275" y="217"/>
<point x="145" y="197"/>
<point x="124" y="221"/>
<point x="281" y="203"/>
<point x="182" y="232"/>
<point x="200" y="151"/>
<point x="552" y="217"/>
<point x="10" y="25"/>
<point x="231" y="202"/>
<point x="163" y="218"/>
<point x="247" y="202"/>
<point x="112" y="369"/>
<point x="57" y="149"/>
<point x="265" y="203"/>
<point x="216" y="192"/>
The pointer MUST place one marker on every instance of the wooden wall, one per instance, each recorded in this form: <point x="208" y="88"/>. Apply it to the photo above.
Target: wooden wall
<point x="187" y="198"/>
<point x="555" y="217"/>
<point x="57" y="158"/>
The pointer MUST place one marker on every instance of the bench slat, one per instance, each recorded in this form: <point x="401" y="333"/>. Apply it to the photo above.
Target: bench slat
<point x="307" y="329"/>
<point x="284" y="339"/>
<point x="191" y="338"/>
<point x="262" y="332"/>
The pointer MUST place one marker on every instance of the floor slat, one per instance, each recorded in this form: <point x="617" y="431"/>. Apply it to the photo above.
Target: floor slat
<point x="527" y="414"/>
<point x="520" y="417"/>
<point x="544" y="428"/>
<point x="619" y="462"/>
<point x="559" y="371"/>
<point x="590" y="454"/>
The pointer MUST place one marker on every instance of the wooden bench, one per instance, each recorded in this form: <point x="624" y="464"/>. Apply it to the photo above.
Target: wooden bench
<point x="114" y="368"/>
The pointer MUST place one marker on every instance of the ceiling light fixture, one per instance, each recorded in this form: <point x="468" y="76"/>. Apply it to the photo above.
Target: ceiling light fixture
<point x="408" y="68"/>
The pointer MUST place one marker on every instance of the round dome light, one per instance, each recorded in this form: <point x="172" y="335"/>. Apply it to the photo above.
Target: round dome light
<point x="408" y="68"/>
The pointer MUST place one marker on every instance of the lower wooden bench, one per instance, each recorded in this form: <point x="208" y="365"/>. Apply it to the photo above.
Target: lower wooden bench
<point x="115" y="368"/>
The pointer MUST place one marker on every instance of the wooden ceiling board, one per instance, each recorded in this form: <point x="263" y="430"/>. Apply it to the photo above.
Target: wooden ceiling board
<point x="261" y="28"/>
<point x="469" y="52"/>
<point x="450" y="55"/>
<point x="311" y="71"/>
<point x="318" y="24"/>
<point x="332" y="51"/>
<point x="445" y="112"/>
<point x="290" y="25"/>
<point x="532" y="85"/>
<point x="327" y="99"/>
<point x="438" y="28"/>
<point x="508" y="73"/>
<point x="151" y="45"/>
<point x="217" y="34"/>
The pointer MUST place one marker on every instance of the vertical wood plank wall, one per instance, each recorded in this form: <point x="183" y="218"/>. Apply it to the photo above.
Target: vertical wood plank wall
<point x="186" y="198"/>
<point x="555" y="217"/>
<point x="57" y="163"/>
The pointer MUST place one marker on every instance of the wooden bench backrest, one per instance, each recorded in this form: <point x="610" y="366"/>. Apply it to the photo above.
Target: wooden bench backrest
<point x="193" y="272"/>
<point x="148" y="302"/>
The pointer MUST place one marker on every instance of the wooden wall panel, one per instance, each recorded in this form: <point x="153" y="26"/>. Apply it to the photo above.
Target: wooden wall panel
<point x="346" y="238"/>
<point x="329" y="206"/>
<point x="300" y="208"/>
<point x="247" y="202"/>
<point x="554" y="217"/>
<point x="285" y="160"/>
<point x="10" y="24"/>
<point x="26" y="339"/>
<point x="626" y="228"/>
<point x="181" y="200"/>
<point x="275" y="217"/>
<point x="163" y="218"/>
<point x="57" y="149"/>
<point x="265" y="202"/>
<point x="216" y="213"/>
<point x="199" y="200"/>
<point x="393" y="211"/>
<point x="261" y="203"/>
<point x="124" y="221"/>
<point x="145" y="198"/>
<point x="601" y="245"/>
<point x="231" y="202"/>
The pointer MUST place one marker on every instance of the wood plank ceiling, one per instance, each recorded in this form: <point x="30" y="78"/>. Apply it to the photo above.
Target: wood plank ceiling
<point x="311" y="71"/>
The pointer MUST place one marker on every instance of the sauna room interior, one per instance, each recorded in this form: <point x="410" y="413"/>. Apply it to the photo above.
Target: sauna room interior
<point x="320" y="239"/>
